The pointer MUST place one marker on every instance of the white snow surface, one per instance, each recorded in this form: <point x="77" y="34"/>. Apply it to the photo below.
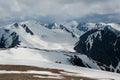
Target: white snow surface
<point x="49" y="74"/>
<point x="54" y="39"/>
<point x="55" y="77"/>
<point x="115" y="26"/>
<point x="24" y="56"/>
<point x="85" y="72"/>
<point x="30" y="72"/>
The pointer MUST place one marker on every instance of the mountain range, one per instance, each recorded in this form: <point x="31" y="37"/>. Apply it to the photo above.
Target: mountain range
<point x="91" y="45"/>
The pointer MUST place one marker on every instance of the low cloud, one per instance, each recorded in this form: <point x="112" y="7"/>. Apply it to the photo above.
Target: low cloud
<point x="58" y="10"/>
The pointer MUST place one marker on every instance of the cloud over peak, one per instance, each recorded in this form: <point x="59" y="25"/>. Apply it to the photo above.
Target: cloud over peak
<point x="57" y="9"/>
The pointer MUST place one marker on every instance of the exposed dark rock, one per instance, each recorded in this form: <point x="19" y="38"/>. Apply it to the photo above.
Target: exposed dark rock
<point x="101" y="44"/>
<point x="75" y="60"/>
<point x="16" y="25"/>
<point x="27" y="29"/>
<point x="8" y="39"/>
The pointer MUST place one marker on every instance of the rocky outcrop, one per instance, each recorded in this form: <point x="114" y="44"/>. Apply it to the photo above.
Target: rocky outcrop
<point x="8" y="39"/>
<point x="102" y="45"/>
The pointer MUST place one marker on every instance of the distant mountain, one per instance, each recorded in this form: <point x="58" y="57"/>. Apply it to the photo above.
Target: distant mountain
<point x="97" y="48"/>
<point x="46" y="36"/>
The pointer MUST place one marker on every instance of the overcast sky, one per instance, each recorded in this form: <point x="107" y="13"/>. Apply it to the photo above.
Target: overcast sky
<point x="56" y="10"/>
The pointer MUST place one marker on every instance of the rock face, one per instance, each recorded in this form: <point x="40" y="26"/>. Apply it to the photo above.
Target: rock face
<point x="8" y="39"/>
<point x="102" y="45"/>
<point x="27" y="29"/>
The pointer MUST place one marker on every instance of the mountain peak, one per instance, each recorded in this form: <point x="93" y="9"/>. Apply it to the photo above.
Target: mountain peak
<point x="101" y="44"/>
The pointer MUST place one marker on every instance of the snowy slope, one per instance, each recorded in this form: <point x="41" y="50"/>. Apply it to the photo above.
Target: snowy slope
<point x="43" y="37"/>
<point x="115" y="26"/>
<point x="73" y="70"/>
<point x="47" y="59"/>
<point x="50" y="36"/>
<point x="51" y="46"/>
<point x="52" y="56"/>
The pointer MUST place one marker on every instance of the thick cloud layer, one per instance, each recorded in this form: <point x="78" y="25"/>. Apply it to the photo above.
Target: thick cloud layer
<point x="56" y="10"/>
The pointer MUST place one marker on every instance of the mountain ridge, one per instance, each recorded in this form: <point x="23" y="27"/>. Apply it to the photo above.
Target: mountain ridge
<point x="44" y="37"/>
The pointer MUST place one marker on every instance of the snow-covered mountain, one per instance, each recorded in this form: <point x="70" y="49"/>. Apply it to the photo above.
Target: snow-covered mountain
<point x="54" y="43"/>
<point x="103" y="45"/>
<point x="50" y="36"/>
<point x="35" y="34"/>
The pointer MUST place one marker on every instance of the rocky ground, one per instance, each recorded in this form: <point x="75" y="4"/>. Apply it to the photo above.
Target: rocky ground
<point x="17" y="72"/>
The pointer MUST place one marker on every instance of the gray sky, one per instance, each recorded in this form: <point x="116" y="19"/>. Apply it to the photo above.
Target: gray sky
<point x="57" y="10"/>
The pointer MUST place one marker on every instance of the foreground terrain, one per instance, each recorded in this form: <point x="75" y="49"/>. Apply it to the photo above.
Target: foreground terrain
<point x="18" y="72"/>
<point x="28" y="70"/>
